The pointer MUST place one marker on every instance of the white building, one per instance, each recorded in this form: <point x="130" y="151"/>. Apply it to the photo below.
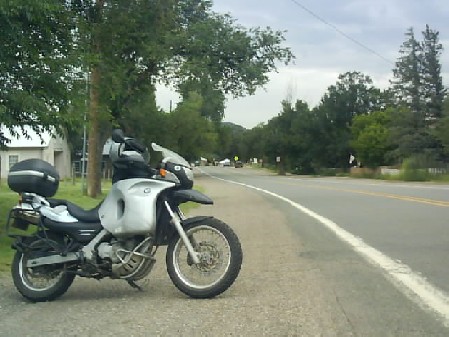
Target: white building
<point x="54" y="150"/>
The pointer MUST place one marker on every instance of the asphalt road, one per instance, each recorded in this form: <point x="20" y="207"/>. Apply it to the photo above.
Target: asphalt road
<point x="299" y="278"/>
<point x="405" y="223"/>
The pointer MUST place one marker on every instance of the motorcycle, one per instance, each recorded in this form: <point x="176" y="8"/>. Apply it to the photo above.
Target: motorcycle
<point x="119" y="237"/>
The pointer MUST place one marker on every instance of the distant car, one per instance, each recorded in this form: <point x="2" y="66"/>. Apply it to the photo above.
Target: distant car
<point x="225" y="162"/>
<point x="238" y="163"/>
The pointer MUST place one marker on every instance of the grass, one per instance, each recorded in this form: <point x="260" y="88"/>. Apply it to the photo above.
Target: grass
<point x="67" y="190"/>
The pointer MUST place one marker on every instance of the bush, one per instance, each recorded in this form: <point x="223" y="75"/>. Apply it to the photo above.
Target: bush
<point x="412" y="170"/>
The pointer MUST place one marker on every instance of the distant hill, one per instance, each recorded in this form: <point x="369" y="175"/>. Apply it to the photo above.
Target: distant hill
<point x="234" y="127"/>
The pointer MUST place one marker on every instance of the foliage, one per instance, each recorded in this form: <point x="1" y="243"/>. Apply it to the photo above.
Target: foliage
<point x="255" y="143"/>
<point x="144" y="120"/>
<point x="352" y="95"/>
<point x="417" y="86"/>
<point x="370" y="138"/>
<point x="190" y="134"/>
<point x="211" y="47"/>
<point x="408" y="139"/>
<point x="441" y="129"/>
<point x="215" y="57"/>
<point x="433" y="88"/>
<point x="38" y="70"/>
<point x="411" y="170"/>
<point x="407" y="84"/>
<point x="135" y="43"/>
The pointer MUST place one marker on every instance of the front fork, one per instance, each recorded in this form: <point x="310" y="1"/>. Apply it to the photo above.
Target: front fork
<point x="182" y="234"/>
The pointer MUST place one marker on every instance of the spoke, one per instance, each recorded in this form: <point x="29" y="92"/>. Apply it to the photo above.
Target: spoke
<point x="214" y="258"/>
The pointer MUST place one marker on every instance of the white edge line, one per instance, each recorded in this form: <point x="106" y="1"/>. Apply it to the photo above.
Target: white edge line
<point x="410" y="283"/>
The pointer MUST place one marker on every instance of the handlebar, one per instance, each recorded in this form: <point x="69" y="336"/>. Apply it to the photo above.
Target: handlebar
<point x="119" y="137"/>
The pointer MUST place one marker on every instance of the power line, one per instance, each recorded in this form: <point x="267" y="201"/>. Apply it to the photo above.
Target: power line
<point x="341" y="32"/>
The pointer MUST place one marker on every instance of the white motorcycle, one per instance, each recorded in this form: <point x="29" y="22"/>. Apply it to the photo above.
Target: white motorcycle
<point x="118" y="238"/>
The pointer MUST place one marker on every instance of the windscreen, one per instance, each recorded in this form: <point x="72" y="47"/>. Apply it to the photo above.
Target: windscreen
<point x="170" y="156"/>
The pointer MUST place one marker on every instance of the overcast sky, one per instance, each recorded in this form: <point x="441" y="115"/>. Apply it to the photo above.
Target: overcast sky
<point x="322" y="53"/>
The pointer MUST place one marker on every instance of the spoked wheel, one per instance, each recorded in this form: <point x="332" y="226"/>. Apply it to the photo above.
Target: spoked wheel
<point x="220" y="256"/>
<point x="43" y="283"/>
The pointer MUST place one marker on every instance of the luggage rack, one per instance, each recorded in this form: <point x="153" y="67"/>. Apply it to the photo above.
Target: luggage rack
<point x="20" y="218"/>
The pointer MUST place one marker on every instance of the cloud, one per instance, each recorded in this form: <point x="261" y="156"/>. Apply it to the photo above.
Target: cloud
<point x="322" y="52"/>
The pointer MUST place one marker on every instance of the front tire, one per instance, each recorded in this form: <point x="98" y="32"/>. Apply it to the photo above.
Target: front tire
<point x="220" y="259"/>
<point x="39" y="284"/>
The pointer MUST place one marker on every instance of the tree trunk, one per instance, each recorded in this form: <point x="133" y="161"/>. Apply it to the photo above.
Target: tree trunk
<point x="93" y="164"/>
<point x="95" y="143"/>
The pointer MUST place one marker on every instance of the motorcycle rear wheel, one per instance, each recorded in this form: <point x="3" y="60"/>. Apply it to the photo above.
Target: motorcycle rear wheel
<point x="39" y="284"/>
<point x="220" y="259"/>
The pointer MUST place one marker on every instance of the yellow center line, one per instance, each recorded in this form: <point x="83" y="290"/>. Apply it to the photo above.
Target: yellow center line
<point x="387" y="195"/>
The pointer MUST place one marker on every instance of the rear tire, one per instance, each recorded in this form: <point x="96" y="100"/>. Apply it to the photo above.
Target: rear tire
<point x="220" y="259"/>
<point x="28" y="280"/>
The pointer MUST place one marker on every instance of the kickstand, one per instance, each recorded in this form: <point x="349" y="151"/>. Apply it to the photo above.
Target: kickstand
<point x="134" y="285"/>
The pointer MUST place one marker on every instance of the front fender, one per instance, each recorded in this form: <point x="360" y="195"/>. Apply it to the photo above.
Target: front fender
<point x="195" y="219"/>
<point x="181" y="196"/>
<point x="166" y="232"/>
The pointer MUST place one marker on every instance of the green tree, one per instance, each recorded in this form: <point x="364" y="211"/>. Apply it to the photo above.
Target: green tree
<point x="237" y="147"/>
<point x="143" y="119"/>
<point x="191" y="135"/>
<point x="254" y="140"/>
<point x="418" y="88"/>
<point x="352" y="95"/>
<point x="433" y="88"/>
<point x="214" y="106"/>
<point x="408" y="139"/>
<point x="407" y="82"/>
<point x="371" y="140"/>
<point x="442" y="128"/>
<point x="225" y="139"/>
<point x="310" y="140"/>
<point x="133" y="43"/>
<point x="217" y="57"/>
<point x="37" y="66"/>
<point x="126" y="50"/>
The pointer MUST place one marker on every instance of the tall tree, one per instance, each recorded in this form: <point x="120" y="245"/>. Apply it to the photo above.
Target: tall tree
<point x="190" y="134"/>
<point x="407" y="82"/>
<point x="216" y="57"/>
<point x="433" y="88"/>
<point x="134" y="43"/>
<point x="124" y="47"/>
<point x="418" y="87"/>
<point x="352" y="95"/>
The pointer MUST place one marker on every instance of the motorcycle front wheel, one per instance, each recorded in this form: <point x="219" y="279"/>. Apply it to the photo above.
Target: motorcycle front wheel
<point x="220" y="256"/>
<point x="43" y="283"/>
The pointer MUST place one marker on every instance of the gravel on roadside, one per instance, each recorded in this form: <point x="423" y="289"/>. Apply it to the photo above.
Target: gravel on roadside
<point x="276" y="294"/>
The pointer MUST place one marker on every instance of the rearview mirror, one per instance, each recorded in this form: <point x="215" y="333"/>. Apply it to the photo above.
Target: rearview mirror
<point x="118" y="136"/>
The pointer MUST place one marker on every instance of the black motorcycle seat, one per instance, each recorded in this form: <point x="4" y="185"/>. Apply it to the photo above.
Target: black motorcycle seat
<point x="83" y="232"/>
<point x="76" y="211"/>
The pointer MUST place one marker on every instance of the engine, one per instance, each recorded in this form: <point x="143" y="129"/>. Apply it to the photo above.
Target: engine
<point x="131" y="259"/>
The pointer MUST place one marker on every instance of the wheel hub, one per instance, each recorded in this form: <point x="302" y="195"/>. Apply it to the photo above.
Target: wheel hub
<point x="208" y="255"/>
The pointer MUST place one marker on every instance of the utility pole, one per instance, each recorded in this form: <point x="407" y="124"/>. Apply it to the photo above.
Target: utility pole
<point x="83" y="158"/>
